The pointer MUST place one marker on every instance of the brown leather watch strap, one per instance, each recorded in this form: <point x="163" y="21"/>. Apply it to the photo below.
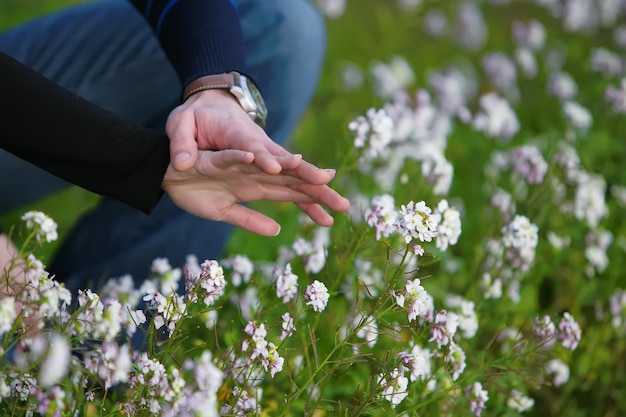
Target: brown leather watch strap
<point x="209" y="82"/>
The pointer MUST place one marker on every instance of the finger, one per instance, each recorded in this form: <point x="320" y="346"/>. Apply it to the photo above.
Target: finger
<point x="312" y="174"/>
<point x="326" y="196"/>
<point x="251" y="220"/>
<point x="230" y="157"/>
<point x="290" y="161"/>
<point x="181" y="130"/>
<point x="317" y="214"/>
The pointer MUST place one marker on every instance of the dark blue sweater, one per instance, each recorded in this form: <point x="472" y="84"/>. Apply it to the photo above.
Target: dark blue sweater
<point x="80" y="142"/>
<point x="200" y="37"/>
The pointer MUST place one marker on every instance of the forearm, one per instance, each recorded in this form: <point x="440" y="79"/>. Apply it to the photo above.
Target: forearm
<point x="78" y="141"/>
<point x="200" y="37"/>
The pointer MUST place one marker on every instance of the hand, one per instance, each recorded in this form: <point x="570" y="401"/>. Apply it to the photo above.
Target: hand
<point x="219" y="180"/>
<point x="214" y="120"/>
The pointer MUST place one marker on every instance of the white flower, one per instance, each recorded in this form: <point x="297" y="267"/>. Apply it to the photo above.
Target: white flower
<point x="559" y="370"/>
<point x="455" y="359"/>
<point x="415" y="222"/>
<point x="375" y="130"/>
<point x="287" y="326"/>
<point x="496" y="118"/>
<point x="332" y="8"/>
<point x="44" y="227"/>
<point x="589" y="200"/>
<point x="470" y="30"/>
<point x="578" y="116"/>
<point x="286" y="284"/>
<point x="7" y="314"/>
<point x="393" y="77"/>
<point x="448" y="221"/>
<point x="242" y="269"/>
<point x="468" y="323"/>
<point x="562" y="86"/>
<point x="526" y="61"/>
<point x="394" y="390"/>
<point x="501" y="71"/>
<point x="417" y="299"/>
<point x="519" y="402"/>
<point x="56" y="363"/>
<point x="606" y="62"/>
<point x="316" y="295"/>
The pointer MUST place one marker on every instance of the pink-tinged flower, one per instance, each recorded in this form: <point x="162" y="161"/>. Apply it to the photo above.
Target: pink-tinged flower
<point x="112" y="363"/>
<point x="616" y="97"/>
<point x="520" y="237"/>
<point x="418" y="362"/>
<point x="286" y="283"/>
<point x="545" y="331"/>
<point x="477" y="397"/>
<point x="501" y="71"/>
<point x="395" y="389"/>
<point x="529" y="163"/>
<point x="569" y="332"/>
<point x="257" y="333"/>
<point x="416" y="222"/>
<point x="531" y="35"/>
<point x="617" y="306"/>
<point x="273" y="361"/>
<point x="316" y="295"/>
<point x="445" y="327"/>
<point x="381" y="215"/>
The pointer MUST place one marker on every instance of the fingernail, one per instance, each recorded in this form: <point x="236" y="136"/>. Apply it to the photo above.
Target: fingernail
<point x="331" y="171"/>
<point x="181" y="157"/>
<point x="278" y="232"/>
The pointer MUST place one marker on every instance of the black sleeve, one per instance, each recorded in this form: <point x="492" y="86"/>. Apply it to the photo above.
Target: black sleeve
<point x="78" y="141"/>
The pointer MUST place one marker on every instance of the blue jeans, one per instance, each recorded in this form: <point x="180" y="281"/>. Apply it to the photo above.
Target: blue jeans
<point x="106" y="52"/>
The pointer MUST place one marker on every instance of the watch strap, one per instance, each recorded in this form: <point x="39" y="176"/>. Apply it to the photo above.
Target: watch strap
<point x="209" y="82"/>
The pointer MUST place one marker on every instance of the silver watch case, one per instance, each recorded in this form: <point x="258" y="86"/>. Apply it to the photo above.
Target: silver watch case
<point x="249" y="97"/>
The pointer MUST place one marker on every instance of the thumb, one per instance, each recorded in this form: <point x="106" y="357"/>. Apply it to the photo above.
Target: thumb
<point x="183" y="146"/>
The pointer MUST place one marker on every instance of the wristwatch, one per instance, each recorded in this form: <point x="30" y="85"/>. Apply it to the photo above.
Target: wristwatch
<point x="240" y="86"/>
